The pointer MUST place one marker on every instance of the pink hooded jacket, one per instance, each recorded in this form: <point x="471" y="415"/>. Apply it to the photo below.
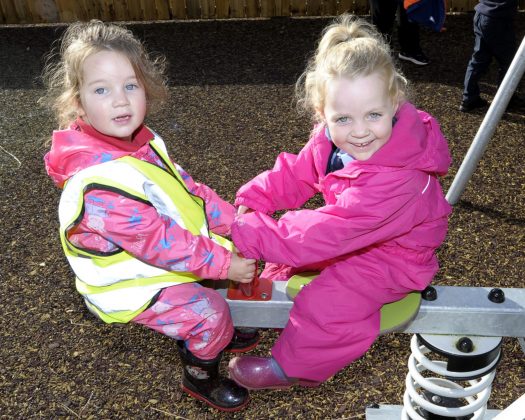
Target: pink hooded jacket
<point x="392" y="201"/>
<point x="111" y="220"/>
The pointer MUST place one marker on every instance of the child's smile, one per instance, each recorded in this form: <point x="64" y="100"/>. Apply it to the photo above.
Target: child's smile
<point x="364" y="144"/>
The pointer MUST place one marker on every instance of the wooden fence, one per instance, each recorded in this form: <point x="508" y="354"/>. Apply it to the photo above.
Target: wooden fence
<point x="51" y="11"/>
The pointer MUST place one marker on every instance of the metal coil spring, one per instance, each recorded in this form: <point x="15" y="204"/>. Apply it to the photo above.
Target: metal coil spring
<point x="476" y="395"/>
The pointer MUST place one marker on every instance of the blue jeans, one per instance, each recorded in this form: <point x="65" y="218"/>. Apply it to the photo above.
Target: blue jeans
<point x="494" y="38"/>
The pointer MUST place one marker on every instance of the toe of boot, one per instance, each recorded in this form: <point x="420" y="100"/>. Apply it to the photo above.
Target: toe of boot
<point x="224" y="394"/>
<point x="231" y="395"/>
<point x="257" y="373"/>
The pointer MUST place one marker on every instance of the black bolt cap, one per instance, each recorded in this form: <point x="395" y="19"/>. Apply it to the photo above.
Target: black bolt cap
<point x="465" y="345"/>
<point x="497" y="295"/>
<point x="430" y="293"/>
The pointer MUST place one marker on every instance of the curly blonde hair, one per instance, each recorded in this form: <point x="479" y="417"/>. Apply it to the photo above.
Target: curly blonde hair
<point x="62" y="74"/>
<point x="349" y="47"/>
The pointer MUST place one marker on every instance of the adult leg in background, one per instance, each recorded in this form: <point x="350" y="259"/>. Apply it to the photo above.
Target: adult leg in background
<point x="480" y="60"/>
<point x="383" y="14"/>
<point x="408" y="34"/>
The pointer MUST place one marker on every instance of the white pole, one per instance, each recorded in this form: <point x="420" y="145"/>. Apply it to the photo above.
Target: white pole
<point x="489" y="124"/>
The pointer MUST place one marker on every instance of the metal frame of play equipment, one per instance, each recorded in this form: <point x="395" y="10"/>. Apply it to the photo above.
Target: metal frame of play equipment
<point x="455" y="310"/>
<point x="448" y="322"/>
<point x="488" y="126"/>
<point x="512" y="412"/>
<point x="449" y="313"/>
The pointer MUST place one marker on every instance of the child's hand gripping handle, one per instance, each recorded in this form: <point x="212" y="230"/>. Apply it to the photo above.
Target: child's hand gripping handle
<point x="256" y="289"/>
<point x="247" y="288"/>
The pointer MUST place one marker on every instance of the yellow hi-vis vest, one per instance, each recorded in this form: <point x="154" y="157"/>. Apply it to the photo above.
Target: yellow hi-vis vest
<point x="116" y="286"/>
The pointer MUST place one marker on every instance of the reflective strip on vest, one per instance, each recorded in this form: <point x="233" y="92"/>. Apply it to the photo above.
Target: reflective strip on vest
<point x="117" y="286"/>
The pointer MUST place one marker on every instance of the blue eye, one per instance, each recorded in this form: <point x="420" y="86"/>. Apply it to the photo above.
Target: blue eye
<point x="131" y="86"/>
<point x="375" y="115"/>
<point x="100" y="91"/>
<point x="342" y="120"/>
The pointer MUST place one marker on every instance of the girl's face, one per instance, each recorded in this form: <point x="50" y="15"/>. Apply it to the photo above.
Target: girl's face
<point x="359" y="114"/>
<point x="112" y="100"/>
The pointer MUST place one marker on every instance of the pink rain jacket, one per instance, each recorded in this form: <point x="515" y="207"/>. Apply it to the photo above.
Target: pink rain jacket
<point x="112" y="220"/>
<point x="374" y="239"/>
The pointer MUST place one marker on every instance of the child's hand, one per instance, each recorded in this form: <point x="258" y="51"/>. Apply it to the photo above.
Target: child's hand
<point x="241" y="269"/>
<point x="243" y="209"/>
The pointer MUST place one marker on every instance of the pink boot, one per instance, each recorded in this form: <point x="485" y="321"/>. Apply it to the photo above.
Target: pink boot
<point x="254" y="372"/>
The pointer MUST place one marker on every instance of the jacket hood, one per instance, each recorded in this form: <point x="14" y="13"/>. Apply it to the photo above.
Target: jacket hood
<point x="416" y="143"/>
<point x="81" y="146"/>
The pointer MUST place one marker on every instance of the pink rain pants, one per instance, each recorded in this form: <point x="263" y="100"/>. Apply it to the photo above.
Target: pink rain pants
<point x="198" y="315"/>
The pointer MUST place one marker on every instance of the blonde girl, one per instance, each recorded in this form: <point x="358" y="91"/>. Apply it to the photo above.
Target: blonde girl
<point x="137" y="230"/>
<point x="375" y="159"/>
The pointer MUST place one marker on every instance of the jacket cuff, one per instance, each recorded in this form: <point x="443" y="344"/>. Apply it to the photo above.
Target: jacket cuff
<point x="252" y="204"/>
<point x="223" y="274"/>
<point x="238" y="239"/>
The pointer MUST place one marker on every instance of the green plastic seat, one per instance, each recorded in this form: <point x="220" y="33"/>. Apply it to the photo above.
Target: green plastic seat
<point x="395" y="316"/>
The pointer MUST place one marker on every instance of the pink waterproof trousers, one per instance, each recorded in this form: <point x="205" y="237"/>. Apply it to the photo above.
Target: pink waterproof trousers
<point x="198" y="315"/>
<point x="335" y="319"/>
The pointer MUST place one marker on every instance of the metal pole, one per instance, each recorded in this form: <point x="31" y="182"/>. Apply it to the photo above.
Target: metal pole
<point x="488" y="126"/>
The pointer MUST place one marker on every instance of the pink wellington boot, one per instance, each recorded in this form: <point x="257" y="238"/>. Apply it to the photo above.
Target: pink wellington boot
<point x="254" y="372"/>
